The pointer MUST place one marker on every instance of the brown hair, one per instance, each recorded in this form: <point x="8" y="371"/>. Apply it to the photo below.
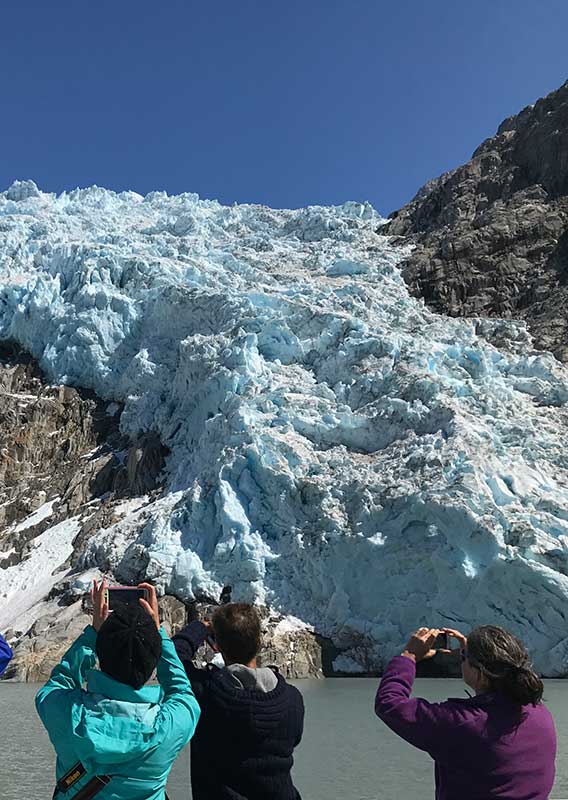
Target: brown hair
<point x="504" y="661"/>
<point x="237" y="631"/>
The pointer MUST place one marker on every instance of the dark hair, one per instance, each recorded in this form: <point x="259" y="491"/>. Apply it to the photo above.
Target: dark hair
<point x="129" y="645"/>
<point x="504" y="661"/>
<point x="237" y="631"/>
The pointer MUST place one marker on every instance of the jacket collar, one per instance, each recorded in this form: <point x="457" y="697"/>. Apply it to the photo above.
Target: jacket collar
<point x="222" y="687"/>
<point x="100" y="683"/>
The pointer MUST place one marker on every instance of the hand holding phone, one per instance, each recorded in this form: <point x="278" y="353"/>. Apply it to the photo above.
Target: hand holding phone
<point x="99" y="600"/>
<point x="451" y="633"/>
<point x="125" y="595"/>
<point x="150" y="602"/>
<point x="107" y="598"/>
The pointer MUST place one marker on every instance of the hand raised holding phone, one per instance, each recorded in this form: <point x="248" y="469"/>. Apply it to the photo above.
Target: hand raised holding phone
<point x="106" y="598"/>
<point x="151" y="603"/>
<point x="427" y="642"/>
<point x="421" y="644"/>
<point x="451" y="633"/>
<point x="99" y="598"/>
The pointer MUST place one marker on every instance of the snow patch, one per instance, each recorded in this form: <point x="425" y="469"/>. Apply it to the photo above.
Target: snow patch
<point x="25" y="584"/>
<point x="43" y="512"/>
<point x="290" y="625"/>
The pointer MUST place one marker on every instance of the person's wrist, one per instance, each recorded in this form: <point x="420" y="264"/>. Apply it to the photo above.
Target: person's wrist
<point x="409" y="655"/>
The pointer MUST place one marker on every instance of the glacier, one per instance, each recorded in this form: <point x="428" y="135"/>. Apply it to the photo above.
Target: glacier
<point x="336" y="450"/>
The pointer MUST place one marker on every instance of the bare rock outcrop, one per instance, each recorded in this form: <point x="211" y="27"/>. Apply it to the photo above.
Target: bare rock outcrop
<point x="43" y="645"/>
<point x="64" y="445"/>
<point x="296" y="652"/>
<point x="492" y="235"/>
<point x="62" y="456"/>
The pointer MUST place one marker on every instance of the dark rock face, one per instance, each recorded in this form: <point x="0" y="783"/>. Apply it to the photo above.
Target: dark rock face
<point x="44" y="644"/>
<point x="62" y="444"/>
<point x="492" y="235"/>
<point x="296" y="651"/>
<point x="173" y="614"/>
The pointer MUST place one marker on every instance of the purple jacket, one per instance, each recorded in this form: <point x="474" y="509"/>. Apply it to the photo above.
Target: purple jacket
<point x="482" y="747"/>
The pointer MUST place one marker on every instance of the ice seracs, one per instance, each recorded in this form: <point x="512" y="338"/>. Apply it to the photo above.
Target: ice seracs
<point x="337" y="450"/>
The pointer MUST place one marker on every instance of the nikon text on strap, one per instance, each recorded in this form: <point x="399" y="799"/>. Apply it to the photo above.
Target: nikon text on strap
<point x="90" y="790"/>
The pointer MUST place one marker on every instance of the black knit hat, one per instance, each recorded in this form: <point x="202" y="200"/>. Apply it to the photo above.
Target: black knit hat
<point x="129" y="645"/>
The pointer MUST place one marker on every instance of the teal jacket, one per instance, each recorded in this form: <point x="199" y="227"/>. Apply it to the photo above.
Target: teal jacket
<point x="132" y="735"/>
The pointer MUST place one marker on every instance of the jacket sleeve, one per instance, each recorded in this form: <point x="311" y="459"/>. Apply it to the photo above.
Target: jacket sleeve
<point x="5" y="654"/>
<point x="425" y="725"/>
<point x="68" y="676"/>
<point x="180" y="710"/>
<point x="187" y="642"/>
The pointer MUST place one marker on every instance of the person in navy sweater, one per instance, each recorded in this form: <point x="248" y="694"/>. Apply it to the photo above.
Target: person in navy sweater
<point x="251" y="719"/>
<point x="5" y="654"/>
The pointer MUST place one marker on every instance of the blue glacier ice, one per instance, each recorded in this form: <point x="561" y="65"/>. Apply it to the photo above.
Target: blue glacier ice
<point x="338" y="451"/>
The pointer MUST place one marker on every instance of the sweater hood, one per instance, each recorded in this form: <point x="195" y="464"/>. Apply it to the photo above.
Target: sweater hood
<point x="262" y="679"/>
<point x="114" y="724"/>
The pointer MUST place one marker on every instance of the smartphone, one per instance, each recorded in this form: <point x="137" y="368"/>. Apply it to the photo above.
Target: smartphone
<point x="121" y="595"/>
<point x="441" y="642"/>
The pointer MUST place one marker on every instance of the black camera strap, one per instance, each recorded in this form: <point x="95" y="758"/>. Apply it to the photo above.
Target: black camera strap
<point x="89" y="790"/>
<point x="73" y="776"/>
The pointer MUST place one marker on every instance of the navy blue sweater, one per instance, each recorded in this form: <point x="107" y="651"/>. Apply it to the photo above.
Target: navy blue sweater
<point x="242" y="748"/>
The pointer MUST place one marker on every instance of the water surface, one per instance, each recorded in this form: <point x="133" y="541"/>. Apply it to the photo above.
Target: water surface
<point x="346" y="753"/>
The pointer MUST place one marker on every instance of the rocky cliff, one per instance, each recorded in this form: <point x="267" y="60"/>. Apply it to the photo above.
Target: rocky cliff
<point x="492" y="235"/>
<point x="65" y="470"/>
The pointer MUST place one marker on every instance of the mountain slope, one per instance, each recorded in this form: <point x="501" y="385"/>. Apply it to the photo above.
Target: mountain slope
<point x="335" y="449"/>
<point x="492" y="235"/>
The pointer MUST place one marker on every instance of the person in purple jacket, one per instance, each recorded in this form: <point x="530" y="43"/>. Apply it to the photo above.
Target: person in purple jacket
<point x="501" y="743"/>
<point x="5" y="654"/>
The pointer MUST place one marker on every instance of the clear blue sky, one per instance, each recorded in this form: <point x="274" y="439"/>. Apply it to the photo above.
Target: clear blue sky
<point x="283" y="102"/>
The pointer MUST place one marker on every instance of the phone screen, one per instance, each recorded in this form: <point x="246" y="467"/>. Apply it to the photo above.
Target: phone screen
<point x="120" y="595"/>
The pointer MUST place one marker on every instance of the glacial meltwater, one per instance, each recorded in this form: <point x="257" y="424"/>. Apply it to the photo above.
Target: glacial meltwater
<point x="346" y="751"/>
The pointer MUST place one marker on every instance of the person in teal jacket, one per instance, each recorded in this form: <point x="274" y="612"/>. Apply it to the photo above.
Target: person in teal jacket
<point x="124" y="735"/>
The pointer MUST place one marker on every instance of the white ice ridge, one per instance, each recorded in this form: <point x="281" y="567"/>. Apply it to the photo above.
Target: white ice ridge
<point x="337" y="450"/>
